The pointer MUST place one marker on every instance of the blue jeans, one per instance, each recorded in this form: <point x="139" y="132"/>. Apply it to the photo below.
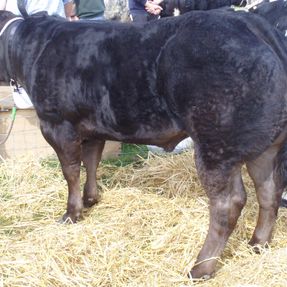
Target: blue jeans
<point x="98" y="18"/>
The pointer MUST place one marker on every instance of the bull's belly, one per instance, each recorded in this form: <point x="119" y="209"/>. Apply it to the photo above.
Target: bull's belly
<point x="168" y="143"/>
<point x="166" y="137"/>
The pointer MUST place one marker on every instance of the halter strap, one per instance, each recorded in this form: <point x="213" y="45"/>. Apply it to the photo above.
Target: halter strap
<point x="8" y="23"/>
<point x="7" y="34"/>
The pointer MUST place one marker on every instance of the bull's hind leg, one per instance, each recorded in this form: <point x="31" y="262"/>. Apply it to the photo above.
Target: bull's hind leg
<point x="91" y="156"/>
<point x="268" y="175"/>
<point x="227" y="197"/>
<point x="66" y="144"/>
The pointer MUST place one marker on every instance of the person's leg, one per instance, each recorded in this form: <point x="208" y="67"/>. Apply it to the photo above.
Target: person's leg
<point x="139" y="17"/>
<point x="2" y="4"/>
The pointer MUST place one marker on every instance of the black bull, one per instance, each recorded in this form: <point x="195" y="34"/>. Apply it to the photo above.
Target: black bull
<point x="217" y="76"/>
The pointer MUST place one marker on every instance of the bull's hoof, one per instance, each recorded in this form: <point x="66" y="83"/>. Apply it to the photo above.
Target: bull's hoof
<point x="204" y="277"/>
<point x="258" y="245"/>
<point x="255" y="247"/>
<point x="90" y="201"/>
<point x="196" y="274"/>
<point x="258" y="248"/>
<point x="69" y="219"/>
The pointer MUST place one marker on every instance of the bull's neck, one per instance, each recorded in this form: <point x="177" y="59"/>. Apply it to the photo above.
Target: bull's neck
<point x="6" y="36"/>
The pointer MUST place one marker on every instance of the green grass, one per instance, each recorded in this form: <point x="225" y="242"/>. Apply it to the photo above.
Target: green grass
<point x="130" y="154"/>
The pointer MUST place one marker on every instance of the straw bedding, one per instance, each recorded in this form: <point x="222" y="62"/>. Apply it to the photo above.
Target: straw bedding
<point x="146" y="231"/>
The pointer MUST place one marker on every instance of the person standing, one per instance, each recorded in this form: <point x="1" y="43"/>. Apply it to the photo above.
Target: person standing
<point x="90" y="9"/>
<point x="52" y="7"/>
<point x="142" y="11"/>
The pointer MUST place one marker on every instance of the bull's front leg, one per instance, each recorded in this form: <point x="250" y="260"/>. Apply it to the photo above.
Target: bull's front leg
<point x="91" y="156"/>
<point x="227" y="197"/>
<point x="64" y="140"/>
<point x="71" y="172"/>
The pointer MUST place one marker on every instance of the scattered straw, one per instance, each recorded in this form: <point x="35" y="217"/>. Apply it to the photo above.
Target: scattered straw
<point x="146" y="232"/>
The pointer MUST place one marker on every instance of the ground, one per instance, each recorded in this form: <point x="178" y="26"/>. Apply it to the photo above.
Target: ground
<point x="146" y="231"/>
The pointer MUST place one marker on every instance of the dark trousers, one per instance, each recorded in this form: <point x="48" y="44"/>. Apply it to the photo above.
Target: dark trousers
<point x="143" y="17"/>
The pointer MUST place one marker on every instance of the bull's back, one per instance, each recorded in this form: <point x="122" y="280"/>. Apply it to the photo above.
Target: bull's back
<point x="104" y="74"/>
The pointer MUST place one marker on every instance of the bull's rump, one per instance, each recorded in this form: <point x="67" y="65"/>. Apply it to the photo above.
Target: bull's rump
<point x="227" y="83"/>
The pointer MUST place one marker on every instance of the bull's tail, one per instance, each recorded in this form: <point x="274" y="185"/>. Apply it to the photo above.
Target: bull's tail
<point x="274" y="12"/>
<point x="22" y="8"/>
